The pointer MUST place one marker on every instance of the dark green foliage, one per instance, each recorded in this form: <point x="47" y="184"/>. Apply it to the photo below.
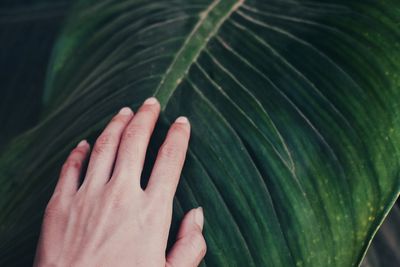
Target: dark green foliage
<point x="294" y="107"/>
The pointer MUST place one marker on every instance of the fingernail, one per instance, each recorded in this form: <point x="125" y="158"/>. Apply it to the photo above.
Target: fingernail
<point x="182" y="119"/>
<point x="125" y="111"/>
<point x="82" y="143"/>
<point x="150" y="101"/>
<point x="199" y="217"/>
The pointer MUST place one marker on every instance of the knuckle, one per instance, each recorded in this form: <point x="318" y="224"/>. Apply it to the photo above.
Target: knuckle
<point x="160" y="203"/>
<point x="148" y="218"/>
<point x="118" y="198"/>
<point x="130" y="151"/>
<point x="53" y="204"/>
<point x="55" y="207"/>
<point x="72" y="164"/>
<point x="198" y="243"/>
<point x="64" y="169"/>
<point x="77" y="152"/>
<point x="75" y="157"/>
<point x="79" y="203"/>
<point x="150" y="109"/>
<point x="103" y="142"/>
<point x="118" y="121"/>
<point x="118" y="203"/>
<point x="162" y="197"/>
<point x="135" y="130"/>
<point x="203" y="247"/>
<point x="180" y="130"/>
<point x="171" y="152"/>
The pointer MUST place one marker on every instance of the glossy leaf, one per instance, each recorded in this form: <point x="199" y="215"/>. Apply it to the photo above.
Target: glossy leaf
<point x="294" y="153"/>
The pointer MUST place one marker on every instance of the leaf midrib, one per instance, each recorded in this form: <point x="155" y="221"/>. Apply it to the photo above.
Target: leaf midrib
<point x="210" y="21"/>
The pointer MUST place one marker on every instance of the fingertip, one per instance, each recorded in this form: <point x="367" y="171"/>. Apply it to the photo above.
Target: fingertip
<point x="151" y="104"/>
<point x="181" y="126"/>
<point x="182" y="119"/>
<point x="183" y="122"/>
<point x="151" y="101"/>
<point x="125" y="111"/>
<point x="82" y="143"/>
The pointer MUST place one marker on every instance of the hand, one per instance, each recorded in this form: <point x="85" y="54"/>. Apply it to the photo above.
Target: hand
<point x="110" y="220"/>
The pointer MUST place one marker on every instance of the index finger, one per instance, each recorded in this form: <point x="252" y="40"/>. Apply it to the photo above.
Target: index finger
<point x="168" y="166"/>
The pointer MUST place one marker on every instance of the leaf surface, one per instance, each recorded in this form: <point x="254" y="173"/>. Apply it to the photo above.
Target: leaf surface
<point x="294" y="152"/>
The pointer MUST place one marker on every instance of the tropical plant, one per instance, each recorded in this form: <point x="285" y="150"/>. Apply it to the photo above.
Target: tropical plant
<point x="294" y="106"/>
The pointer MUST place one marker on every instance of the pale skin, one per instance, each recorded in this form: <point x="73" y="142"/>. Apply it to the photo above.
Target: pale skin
<point x="110" y="220"/>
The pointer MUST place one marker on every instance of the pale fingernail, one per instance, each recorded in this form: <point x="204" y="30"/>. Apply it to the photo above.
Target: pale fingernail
<point x="150" y="101"/>
<point x="182" y="119"/>
<point x="82" y="143"/>
<point x="199" y="217"/>
<point x="125" y="111"/>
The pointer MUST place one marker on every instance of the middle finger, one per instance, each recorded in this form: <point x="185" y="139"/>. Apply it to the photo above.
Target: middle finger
<point x="134" y="142"/>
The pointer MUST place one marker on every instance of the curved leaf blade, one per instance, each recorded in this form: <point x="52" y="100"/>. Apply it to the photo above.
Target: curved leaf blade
<point x="295" y="146"/>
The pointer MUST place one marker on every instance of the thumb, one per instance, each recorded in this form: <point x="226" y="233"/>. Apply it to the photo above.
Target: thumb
<point x="190" y="246"/>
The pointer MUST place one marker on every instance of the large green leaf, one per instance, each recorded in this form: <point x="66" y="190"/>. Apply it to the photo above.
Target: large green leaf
<point x="294" y="108"/>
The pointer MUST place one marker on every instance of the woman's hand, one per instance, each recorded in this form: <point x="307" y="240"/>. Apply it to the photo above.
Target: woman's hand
<point x="110" y="220"/>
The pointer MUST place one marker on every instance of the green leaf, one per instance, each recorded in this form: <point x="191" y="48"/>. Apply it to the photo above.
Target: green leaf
<point x="294" y="152"/>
